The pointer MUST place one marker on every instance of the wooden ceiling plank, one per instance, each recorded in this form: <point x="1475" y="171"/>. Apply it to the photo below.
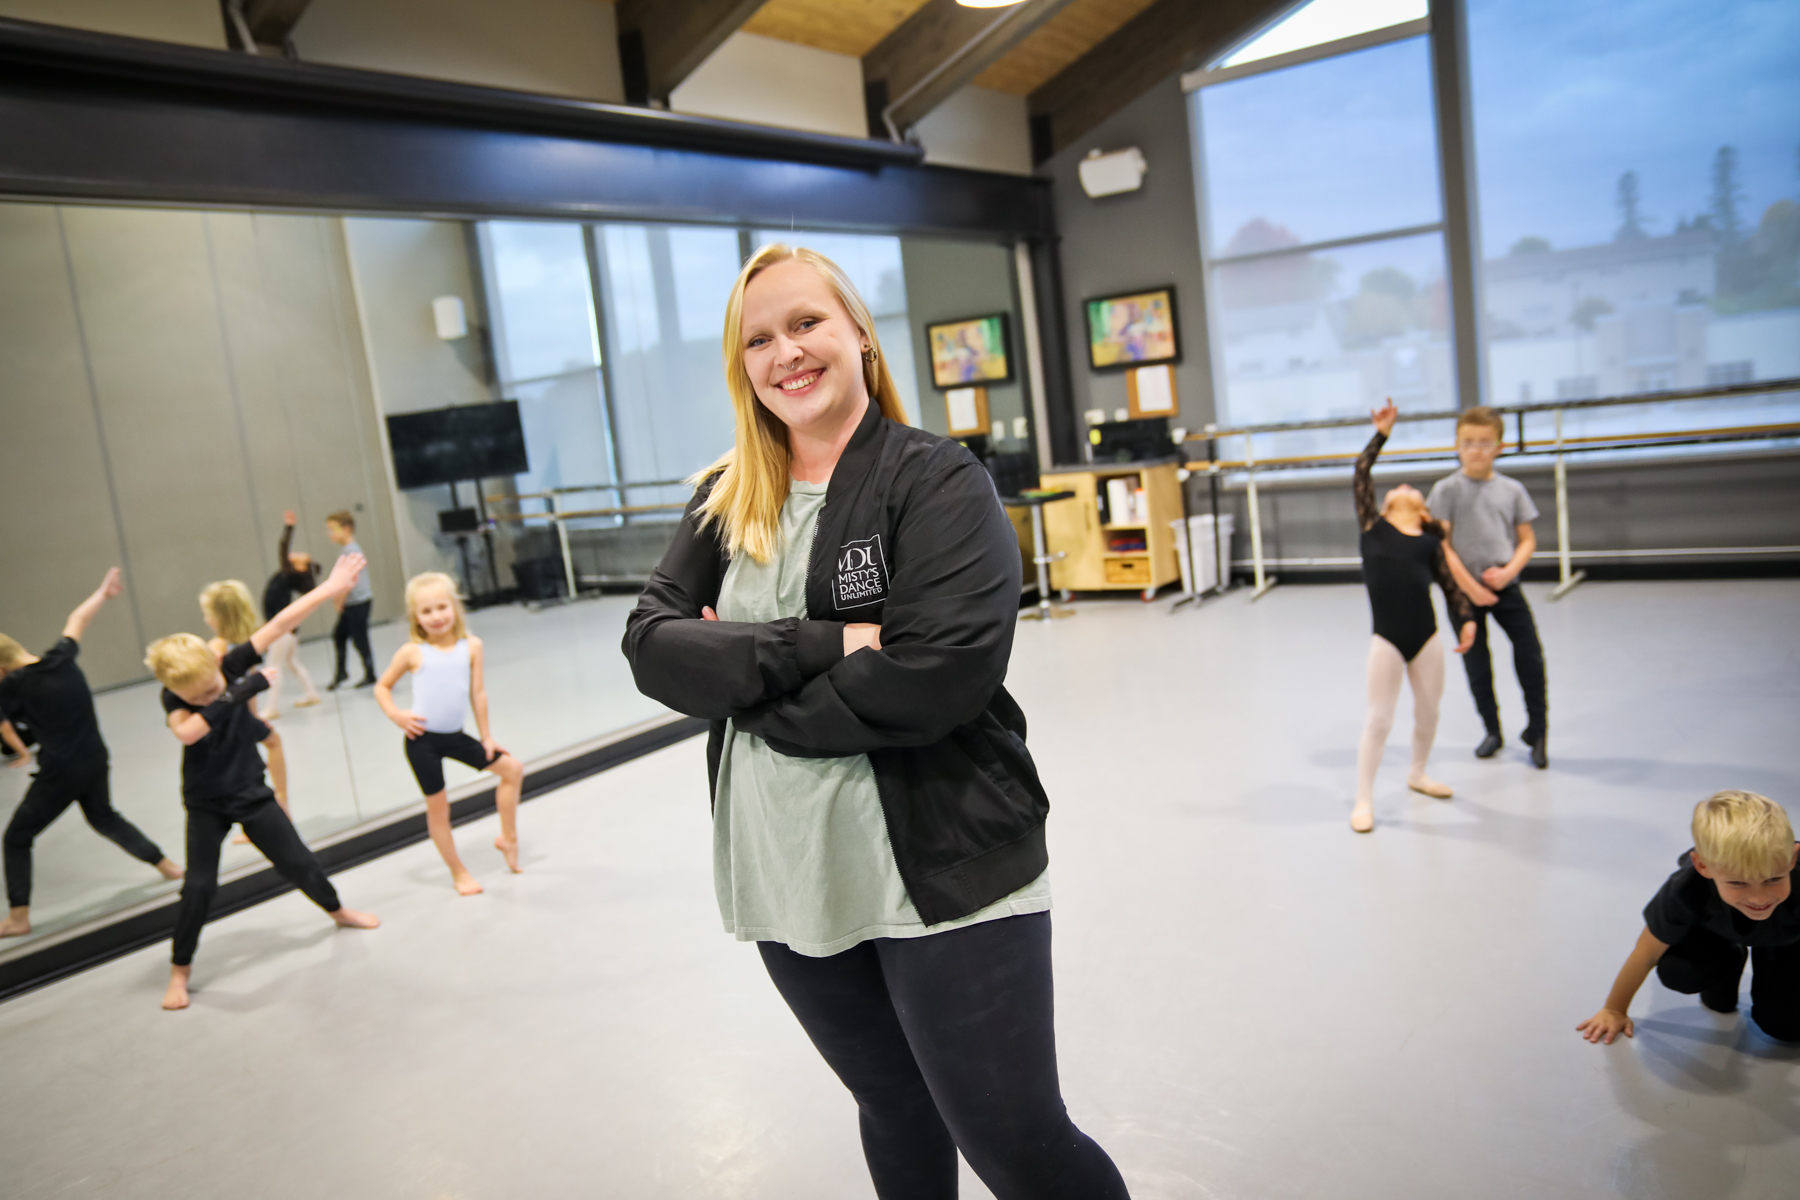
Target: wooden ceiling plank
<point x="853" y="29"/>
<point x="1168" y="36"/>
<point x="1060" y="41"/>
<point x="942" y="47"/>
<point x="669" y="39"/>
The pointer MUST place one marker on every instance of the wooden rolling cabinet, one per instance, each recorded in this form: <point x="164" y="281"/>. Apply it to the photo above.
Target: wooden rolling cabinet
<point x="1125" y="551"/>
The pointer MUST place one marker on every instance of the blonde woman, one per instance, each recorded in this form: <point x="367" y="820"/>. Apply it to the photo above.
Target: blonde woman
<point x="839" y="600"/>
<point x="445" y="662"/>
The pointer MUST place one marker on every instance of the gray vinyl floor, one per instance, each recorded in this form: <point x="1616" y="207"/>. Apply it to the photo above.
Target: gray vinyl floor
<point x="1252" y="1000"/>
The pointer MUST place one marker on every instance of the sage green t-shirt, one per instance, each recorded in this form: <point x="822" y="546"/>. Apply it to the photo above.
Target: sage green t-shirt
<point x="800" y="846"/>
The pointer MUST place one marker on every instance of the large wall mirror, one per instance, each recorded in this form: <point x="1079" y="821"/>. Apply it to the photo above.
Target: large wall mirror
<point x="178" y="380"/>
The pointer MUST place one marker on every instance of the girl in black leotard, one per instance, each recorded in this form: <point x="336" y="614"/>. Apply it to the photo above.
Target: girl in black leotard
<point x="1402" y="554"/>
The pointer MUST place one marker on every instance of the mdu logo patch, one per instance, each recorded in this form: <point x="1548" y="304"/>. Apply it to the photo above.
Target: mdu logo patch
<point x="861" y="574"/>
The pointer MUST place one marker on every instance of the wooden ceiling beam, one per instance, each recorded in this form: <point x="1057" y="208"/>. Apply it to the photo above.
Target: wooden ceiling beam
<point x="272" y="21"/>
<point x="661" y="42"/>
<point x="1169" y="36"/>
<point x="938" y="50"/>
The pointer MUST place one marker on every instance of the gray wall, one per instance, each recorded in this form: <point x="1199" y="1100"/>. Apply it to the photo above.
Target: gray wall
<point x="1136" y="240"/>
<point x="174" y="381"/>
<point x="946" y="280"/>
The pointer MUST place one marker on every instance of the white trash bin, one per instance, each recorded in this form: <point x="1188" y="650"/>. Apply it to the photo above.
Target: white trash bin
<point x="1206" y="549"/>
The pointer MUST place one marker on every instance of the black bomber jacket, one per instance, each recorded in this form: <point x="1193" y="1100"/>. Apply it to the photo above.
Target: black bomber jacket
<point x="912" y="537"/>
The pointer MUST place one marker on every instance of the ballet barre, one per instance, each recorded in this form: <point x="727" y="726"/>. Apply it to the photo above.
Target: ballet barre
<point x="559" y="517"/>
<point x="1557" y="444"/>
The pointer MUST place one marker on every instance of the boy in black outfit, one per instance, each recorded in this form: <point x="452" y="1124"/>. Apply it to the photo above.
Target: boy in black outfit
<point x="1732" y="899"/>
<point x="50" y="692"/>
<point x="222" y="782"/>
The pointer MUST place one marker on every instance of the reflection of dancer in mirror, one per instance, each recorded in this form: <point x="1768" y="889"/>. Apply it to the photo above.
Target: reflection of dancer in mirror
<point x="353" y="610"/>
<point x="296" y="574"/>
<point x="231" y="615"/>
<point x="49" y="691"/>
<point x="840" y="600"/>
<point x="444" y="659"/>
<point x="222" y="784"/>
<point x="1402" y="553"/>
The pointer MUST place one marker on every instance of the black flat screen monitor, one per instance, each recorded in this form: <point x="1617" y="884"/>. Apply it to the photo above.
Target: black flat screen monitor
<point x="449" y="445"/>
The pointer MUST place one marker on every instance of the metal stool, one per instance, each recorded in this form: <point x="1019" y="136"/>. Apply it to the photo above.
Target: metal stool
<point x="1035" y="501"/>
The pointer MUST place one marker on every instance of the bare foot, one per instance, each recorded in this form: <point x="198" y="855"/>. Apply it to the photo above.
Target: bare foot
<point x="1428" y="786"/>
<point x="170" y="869"/>
<point x="270" y="716"/>
<point x="307" y="703"/>
<point x="16" y="925"/>
<point x="466" y="885"/>
<point x="177" y="995"/>
<point x="510" y="850"/>
<point x="349" y="918"/>
<point x="1362" y="817"/>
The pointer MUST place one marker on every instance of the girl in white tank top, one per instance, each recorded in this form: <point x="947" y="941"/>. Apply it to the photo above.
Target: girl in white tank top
<point x="444" y="660"/>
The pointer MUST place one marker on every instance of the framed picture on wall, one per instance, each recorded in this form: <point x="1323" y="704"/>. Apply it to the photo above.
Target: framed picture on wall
<point x="1133" y="329"/>
<point x="974" y="350"/>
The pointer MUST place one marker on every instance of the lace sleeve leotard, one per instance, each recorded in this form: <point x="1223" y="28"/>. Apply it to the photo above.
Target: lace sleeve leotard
<point x="1399" y="569"/>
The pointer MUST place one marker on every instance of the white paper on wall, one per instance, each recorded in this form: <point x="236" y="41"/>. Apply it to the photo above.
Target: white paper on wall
<point x="961" y="402"/>
<point x="1156" y="389"/>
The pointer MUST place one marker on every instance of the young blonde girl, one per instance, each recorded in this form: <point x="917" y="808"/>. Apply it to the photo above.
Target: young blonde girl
<point x="231" y="615"/>
<point x="444" y="659"/>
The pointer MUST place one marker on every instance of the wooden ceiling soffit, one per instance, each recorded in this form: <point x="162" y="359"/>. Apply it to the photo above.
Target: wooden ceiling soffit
<point x="661" y="42"/>
<point x="834" y="25"/>
<point x="1169" y="36"/>
<point x="937" y="51"/>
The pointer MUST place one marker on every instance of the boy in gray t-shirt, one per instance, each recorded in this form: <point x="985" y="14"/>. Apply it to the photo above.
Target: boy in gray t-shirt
<point x="353" y="610"/>
<point x="1491" y="539"/>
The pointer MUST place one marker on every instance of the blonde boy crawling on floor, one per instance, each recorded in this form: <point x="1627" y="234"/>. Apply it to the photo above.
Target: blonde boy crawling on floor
<point x="1731" y="898"/>
<point x="445" y="662"/>
<point x="207" y="699"/>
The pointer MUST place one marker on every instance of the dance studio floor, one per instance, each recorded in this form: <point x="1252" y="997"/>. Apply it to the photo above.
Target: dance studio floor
<point x="1253" y="1001"/>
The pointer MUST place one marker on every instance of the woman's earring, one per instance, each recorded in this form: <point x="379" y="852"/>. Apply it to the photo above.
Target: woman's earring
<point x="870" y="354"/>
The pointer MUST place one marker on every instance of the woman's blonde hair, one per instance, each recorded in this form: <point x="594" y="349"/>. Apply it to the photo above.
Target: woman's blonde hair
<point x="430" y="579"/>
<point x="230" y="610"/>
<point x="12" y="655"/>
<point x="1743" y="835"/>
<point x="752" y="476"/>
<point x="181" y="660"/>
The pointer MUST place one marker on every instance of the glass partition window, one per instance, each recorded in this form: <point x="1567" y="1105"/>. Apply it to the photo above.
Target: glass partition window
<point x="1326" y="21"/>
<point x="1321" y="211"/>
<point x="665" y="288"/>
<point x="1639" y="168"/>
<point x="547" y="349"/>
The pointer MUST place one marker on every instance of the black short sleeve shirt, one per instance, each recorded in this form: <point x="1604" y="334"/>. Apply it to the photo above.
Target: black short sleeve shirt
<point x="52" y="696"/>
<point x="1689" y="900"/>
<point x="225" y="761"/>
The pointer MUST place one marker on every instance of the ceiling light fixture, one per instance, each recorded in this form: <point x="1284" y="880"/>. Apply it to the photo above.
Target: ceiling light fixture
<point x="989" y="3"/>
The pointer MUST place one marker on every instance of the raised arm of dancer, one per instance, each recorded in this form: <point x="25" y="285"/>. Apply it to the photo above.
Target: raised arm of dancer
<point x="478" y="697"/>
<point x="189" y="726"/>
<point x="406" y="658"/>
<point x="278" y="782"/>
<point x="287" y="540"/>
<point x="84" y="612"/>
<point x="337" y="585"/>
<point x="11" y="737"/>
<point x="1462" y="617"/>
<point x="1363" y="485"/>
<point x="1465" y="579"/>
<point x="1611" y="1020"/>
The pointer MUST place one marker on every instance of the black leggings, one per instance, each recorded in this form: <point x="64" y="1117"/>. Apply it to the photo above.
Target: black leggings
<point x="270" y="831"/>
<point x="353" y="626"/>
<point x="45" y="800"/>
<point x="1513" y="615"/>
<point x="1705" y="962"/>
<point x="947" y="1042"/>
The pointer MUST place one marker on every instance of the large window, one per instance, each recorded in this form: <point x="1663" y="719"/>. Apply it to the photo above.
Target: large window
<point x="1636" y="212"/>
<point x="1322" y="226"/>
<point x="1639" y="166"/>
